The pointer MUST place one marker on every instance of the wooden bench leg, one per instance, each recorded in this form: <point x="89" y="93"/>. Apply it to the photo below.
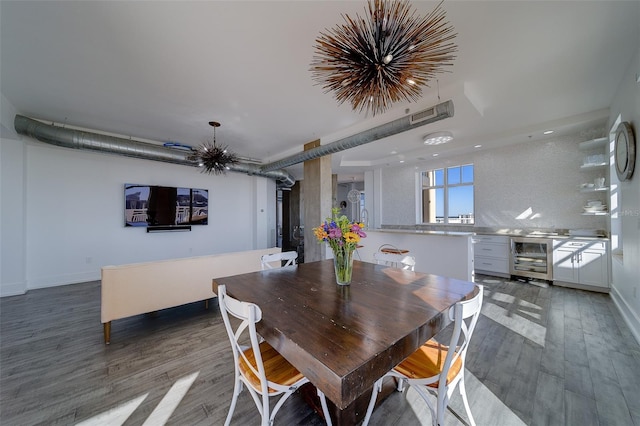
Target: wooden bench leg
<point x="107" y="332"/>
<point x="206" y="304"/>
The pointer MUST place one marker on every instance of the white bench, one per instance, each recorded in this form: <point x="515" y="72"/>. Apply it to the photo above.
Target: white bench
<point x="139" y="288"/>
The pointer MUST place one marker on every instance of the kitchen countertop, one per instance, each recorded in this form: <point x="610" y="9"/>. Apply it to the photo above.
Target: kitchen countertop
<point x="424" y="232"/>
<point x="547" y="236"/>
<point x="498" y="232"/>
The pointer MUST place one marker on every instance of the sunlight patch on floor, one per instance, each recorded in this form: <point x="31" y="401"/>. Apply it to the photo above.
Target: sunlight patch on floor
<point x="502" y="297"/>
<point x="170" y="402"/>
<point x="115" y="416"/>
<point x="517" y="323"/>
<point x="486" y="408"/>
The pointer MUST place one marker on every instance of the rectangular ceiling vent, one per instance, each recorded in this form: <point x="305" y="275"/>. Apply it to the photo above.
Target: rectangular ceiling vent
<point x="423" y="115"/>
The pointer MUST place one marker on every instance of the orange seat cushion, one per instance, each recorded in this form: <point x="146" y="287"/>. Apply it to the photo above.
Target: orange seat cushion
<point x="427" y="362"/>
<point x="394" y="251"/>
<point x="277" y="369"/>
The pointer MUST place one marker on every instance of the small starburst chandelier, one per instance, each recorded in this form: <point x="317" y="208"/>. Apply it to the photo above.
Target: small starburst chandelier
<point x="213" y="158"/>
<point x="384" y="58"/>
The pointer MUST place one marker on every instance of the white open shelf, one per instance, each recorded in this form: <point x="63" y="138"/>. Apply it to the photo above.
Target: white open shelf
<point x="594" y="189"/>
<point x="593" y="144"/>
<point x="593" y="166"/>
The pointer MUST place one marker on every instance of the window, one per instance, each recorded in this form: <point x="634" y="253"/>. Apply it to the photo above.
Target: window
<point x="447" y="195"/>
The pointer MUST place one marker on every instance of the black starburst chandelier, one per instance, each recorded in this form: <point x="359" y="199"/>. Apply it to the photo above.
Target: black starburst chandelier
<point x="385" y="58"/>
<point x="213" y="158"/>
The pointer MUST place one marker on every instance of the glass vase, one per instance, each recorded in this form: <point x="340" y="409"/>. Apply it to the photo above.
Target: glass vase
<point x="343" y="265"/>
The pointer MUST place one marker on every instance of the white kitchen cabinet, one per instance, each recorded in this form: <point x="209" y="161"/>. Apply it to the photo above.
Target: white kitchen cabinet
<point x="491" y="255"/>
<point x="581" y="264"/>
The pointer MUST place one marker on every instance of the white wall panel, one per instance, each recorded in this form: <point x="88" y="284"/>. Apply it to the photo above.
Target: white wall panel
<point x="626" y="268"/>
<point x="12" y="218"/>
<point x="75" y="207"/>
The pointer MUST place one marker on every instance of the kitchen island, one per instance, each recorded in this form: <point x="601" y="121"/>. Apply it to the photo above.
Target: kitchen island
<point x="448" y="254"/>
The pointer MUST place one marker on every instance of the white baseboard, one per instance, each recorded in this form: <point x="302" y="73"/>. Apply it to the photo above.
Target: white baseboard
<point x="20" y="288"/>
<point x="13" y="289"/>
<point x="54" y="281"/>
<point x="630" y="317"/>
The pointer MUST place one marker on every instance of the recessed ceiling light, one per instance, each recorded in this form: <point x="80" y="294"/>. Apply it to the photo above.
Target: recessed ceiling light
<point x="401" y="161"/>
<point x="477" y="146"/>
<point x="435" y="155"/>
<point x="547" y="132"/>
<point x="437" y="138"/>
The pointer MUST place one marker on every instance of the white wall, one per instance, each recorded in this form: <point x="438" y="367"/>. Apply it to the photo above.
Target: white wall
<point x="626" y="269"/>
<point x="265" y="210"/>
<point x="12" y="220"/>
<point x="73" y="214"/>
<point x="543" y="176"/>
<point x="398" y="200"/>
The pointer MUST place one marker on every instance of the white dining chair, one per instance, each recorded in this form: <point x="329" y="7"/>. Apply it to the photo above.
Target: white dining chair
<point x="437" y="368"/>
<point x="289" y="257"/>
<point x="259" y="367"/>
<point x="403" y="261"/>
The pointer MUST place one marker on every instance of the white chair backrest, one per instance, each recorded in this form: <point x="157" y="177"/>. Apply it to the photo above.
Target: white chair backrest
<point x="289" y="256"/>
<point x="248" y="314"/>
<point x="465" y="316"/>
<point x="403" y="261"/>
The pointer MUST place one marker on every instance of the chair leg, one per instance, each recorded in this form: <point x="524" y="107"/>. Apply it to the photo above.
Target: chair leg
<point x="426" y="395"/>
<point x="442" y="403"/>
<point x="237" y="388"/>
<point x="463" y="393"/>
<point x="281" y="401"/>
<point x="267" y="416"/>
<point x="325" y="409"/>
<point x="377" y="387"/>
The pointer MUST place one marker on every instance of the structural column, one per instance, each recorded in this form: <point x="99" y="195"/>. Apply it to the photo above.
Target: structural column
<point x="315" y="201"/>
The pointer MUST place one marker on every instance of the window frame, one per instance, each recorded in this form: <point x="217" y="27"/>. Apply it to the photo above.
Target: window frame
<point x="445" y="186"/>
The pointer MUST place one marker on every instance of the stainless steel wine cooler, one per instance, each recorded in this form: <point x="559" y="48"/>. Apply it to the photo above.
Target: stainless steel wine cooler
<point x="532" y="258"/>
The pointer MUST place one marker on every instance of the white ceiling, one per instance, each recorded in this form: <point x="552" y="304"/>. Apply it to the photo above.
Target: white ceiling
<point x="161" y="70"/>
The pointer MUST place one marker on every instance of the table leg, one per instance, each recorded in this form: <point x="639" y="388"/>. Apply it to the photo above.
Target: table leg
<point x="351" y="415"/>
<point x="106" y="328"/>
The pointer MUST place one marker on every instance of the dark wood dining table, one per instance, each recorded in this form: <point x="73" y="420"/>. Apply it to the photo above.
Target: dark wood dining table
<point x="344" y="338"/>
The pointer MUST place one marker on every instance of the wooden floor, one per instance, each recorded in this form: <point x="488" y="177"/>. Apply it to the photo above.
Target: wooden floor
<point x="541" y="355"/>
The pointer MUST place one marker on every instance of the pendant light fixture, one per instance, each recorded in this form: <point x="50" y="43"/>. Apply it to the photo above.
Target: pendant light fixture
<point x="214" y="158"/>
<point x="384" y="58"/>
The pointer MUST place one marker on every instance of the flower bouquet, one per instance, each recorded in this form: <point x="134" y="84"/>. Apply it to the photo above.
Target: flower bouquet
<point x="343" y="237"/>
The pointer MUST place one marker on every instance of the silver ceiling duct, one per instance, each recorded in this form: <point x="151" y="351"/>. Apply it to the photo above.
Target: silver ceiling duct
<point x="77" y="139"/>
<point x="283" y="177"/>
<point x="436" y="113"/>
